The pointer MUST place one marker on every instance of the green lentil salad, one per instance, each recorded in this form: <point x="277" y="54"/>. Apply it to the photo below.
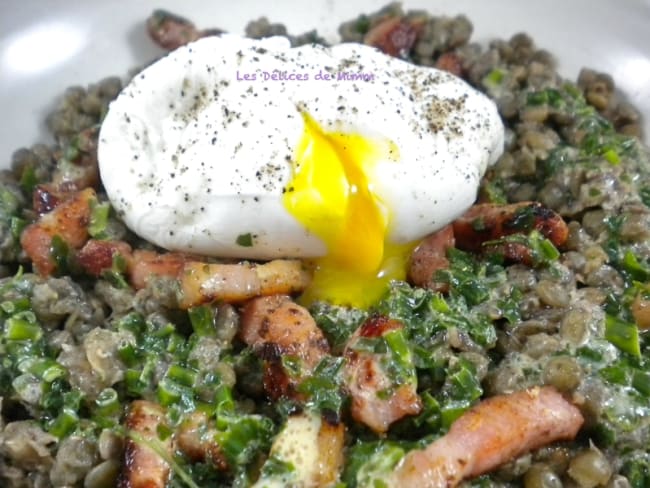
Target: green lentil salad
<point x="76" y="350"/>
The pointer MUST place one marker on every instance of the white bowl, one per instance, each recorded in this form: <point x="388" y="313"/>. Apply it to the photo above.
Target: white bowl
<point x="48" y="45"/>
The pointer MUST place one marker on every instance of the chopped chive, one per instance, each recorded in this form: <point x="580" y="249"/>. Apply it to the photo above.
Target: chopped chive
<point x="452" y="410"/>
<point x="16" y="224"/>
<point x="59" y="252"/>
<point x="623" y="335"/>
<point x="21" y="329"/>
<point x="245" y="240"/>
<point x="170" y="392"/>
<point x="494" y="78"/>
<point x="636" y="269"/>
<point x="612" y="157"/>
<point x="28" y="179"/>
<point x="128" y="354"/>
<point x="641" y="382"/>
<point x="14" y="306"/>
<point x="108" y="402"/>
<point x="134" y="384"/>
<point x="65" y="423"/>
<point x="644" y="193"/>
<point x="202" y="320"/>
<point x="402" y="360"/>
<point x="47" y="369"/>
<point x="98" y="219"/>
<point x="184" y="376"/>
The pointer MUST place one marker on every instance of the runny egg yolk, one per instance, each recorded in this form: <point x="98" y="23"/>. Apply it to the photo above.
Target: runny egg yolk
<point x="331" y="194"/>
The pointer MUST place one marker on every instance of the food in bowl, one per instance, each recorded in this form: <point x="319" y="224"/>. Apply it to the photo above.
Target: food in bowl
<point x="512" y="352"/>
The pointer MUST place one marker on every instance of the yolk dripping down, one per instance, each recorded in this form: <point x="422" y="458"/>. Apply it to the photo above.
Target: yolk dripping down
<point x="331" y="195"/>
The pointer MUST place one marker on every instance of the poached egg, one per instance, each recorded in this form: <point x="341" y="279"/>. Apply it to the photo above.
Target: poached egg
<point x="251" y="149"/>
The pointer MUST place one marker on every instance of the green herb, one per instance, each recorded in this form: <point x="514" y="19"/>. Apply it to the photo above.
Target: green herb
<point x="108" y="403"/>
<point x="465" y="276"/>
<point x="494" y="78"/>
<point x="98" y="219"/>
<point x="644" y="193"/>
<point x="399" y="364"/>
<point x="337" y="323"/>
<point x="28" y="179"/>
<point x="71" y="152"/>
<point x="245" y="240"/>
<point x="22" y="326"/>
<point x="631" y="265"/>
<point x="492" y="190"/>
<point x="624" y="335"/>
<point x="461" y="390"/>
<point x="637" y="471"/>
<point x="276" y="467"/>
<point x="17" y="225"/>
<point x="65" y="423"/>
<point x="509" y="306"/>
<point x="115" y="275"/>
<point x="324" y="386"/>
<point x="244" y="437"/>
<point x="362" y="24"/>
<point x="370" y="463"/>
<point x="60" y="253"/>
<point x="202" y="320"/>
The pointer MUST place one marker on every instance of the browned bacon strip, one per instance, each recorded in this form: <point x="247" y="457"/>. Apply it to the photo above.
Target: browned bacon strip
<point x="69" y="220"/>
<point x="97" y="256"/>
<point x="429" y="257"/>
<point x="201" y="282"/>
<point x="366" y="380"/>
<point x="492" y="433"/>
<point x="488" y="221"/>
<point x="196" y="439"/>
<point x="143" y="467"/>
<point x="451" y="63"/>
<point x="394" y="36"/>
<point x="146" y="264"/>
<point x="171" y="31"/>
<point x="480" y="224"/>
<point x="331" y="445"/>
<point x="275" y="326"/>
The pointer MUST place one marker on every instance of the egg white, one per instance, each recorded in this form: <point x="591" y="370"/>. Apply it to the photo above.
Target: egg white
<point x="193" y="156"/>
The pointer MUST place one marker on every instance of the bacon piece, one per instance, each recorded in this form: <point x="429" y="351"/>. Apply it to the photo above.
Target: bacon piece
<point x="488" y="221"/>
<point x="196" y="439"/>
<point x="146" y="264"/>
<point x="394" y="36"/>
<point x="69" y="220"/>
<point x="366" y="379"/>
<point x="201" y="282"/>
<point x="171" y="31"/>
<point x="97" y="256"/>
<point x="275" y="326"/>
<point x="143" y="467"/>
<point x="313" y="446"/>
<point x="451" y="63"/>
<point x="331" y="445"/>
<point x="490" y="434"/>
<point x="429" y="257"/>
